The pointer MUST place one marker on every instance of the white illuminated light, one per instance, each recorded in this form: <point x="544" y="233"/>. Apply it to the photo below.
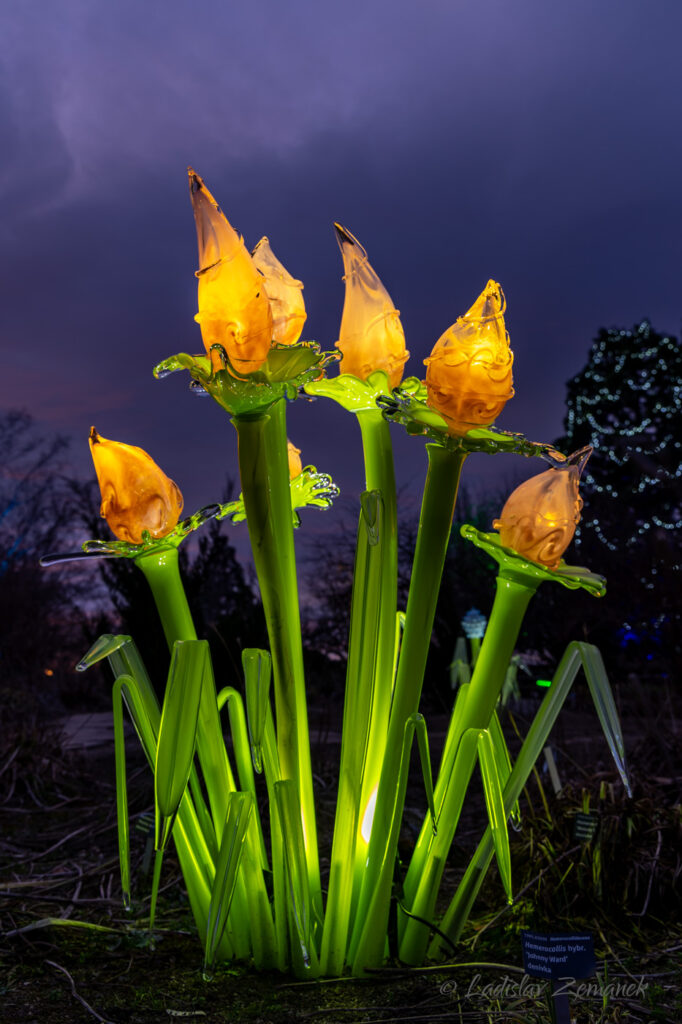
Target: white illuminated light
<point x="368" y="818"/>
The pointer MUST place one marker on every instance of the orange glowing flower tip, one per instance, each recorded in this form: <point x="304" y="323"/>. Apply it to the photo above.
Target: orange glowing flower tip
<point x="216" y="238"/>
<point x="137" y="496"/>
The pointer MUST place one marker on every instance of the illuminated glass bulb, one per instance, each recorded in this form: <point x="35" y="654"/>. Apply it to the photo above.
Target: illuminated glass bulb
<point x="285" y="294"/>
<point x="539" y="518"/>
<point x="136" y="494"/>
<point x="469" y="371"/>
<point x="371" y="335"/>
<point x="295" y="464"/>
<point x="234" y="310"/>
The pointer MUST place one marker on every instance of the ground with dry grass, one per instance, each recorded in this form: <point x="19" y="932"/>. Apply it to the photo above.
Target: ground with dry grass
<point x="58" y="864"/>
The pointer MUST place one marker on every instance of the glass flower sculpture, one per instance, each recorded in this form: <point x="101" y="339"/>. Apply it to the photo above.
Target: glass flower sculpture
<point x="469" y="371"/>
<point x="137" y="496"/>
<point x="371" y="335"/>
<point x="539" y="518"/>
<point x="234" y="308"/>
<point x="284" y="292"/>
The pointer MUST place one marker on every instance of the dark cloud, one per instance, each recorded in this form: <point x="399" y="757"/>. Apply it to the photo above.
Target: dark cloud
<point x="535" y="143"/>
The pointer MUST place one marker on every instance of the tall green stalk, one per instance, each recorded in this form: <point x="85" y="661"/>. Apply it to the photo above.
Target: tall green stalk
<point x="380" y="475"/>
<point x="428" y="861"/>
<point x="264" y="473"/>
<point x="438" y="504"/>
<point x="161" y="571"/>
<point x="369" y="679"/>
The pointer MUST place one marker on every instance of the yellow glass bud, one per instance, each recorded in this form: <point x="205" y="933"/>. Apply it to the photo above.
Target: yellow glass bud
<point x="136" y="494"/>
<point x="284" y="292"/>
<point x="539" y="518"/>
<point x="234" y="310"/>
<point x="295" y="464"/>
<point x="469" y="372"/>
<point x="371" y="336"/>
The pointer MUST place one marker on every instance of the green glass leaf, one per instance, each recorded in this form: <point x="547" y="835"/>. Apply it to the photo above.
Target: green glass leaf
<point x="286" y="369"/>
<point x="492" y="789"/>
<point x="309" y="489"/>
<point x="156" y="879"/>
<point x="425" y="759"/>
<point x="289" y="812"/>
<point x="408" y="406"/>
<point x="294" y="364"/>
<point x="457" y="913"/>
<point x="178" y="731"/>
<point x="124" y="659"/>
<point x="257" y="666"/>
<point x="124" y="549"/>
<point x="421" y="889"/>
<point x="350" y="392"/>
<point x="123" y="823"/>
<point x="103" y="647"/>
<point x="602" y="695"/>
<point x="243" y="755"/>
<point x="239" y="807"/>
<point x="504" y="765"/>
<point x="199" y="366"/>
<point x="515" y="566"/>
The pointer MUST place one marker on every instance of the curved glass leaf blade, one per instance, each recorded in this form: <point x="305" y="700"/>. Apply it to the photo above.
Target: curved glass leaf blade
<point x="239" y="807"/>
<point x="257" y="666"/>
<point x="495" y="805"/>
<point x="178" y="731"/>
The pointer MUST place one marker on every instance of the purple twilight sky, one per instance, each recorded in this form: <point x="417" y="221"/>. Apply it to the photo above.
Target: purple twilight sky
<point x="535" y="142"/>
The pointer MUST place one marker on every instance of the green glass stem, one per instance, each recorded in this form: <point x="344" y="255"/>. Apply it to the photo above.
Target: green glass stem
<point x="264" y="473"/>
<point x="428" y="860"/>
<point x="360" y="670"/>
<point x="380" y="475"/>
<point x="161" y="571"/>
<point x="369" y="680"/>
<point x="438" y="504"/>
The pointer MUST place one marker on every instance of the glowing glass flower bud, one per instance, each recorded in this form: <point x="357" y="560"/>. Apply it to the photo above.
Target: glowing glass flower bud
<point x="469" y="372"/>
<point x="136" y="494"/>
<point x="295" y="464"/>
<point x="284" y="292"/>
<point x="539" y="518"/>
<point x="234" y="310"/>
<point x="371" y="336"/>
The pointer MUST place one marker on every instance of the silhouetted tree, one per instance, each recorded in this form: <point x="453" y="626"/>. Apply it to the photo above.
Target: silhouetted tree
<point x="39" y="622"/>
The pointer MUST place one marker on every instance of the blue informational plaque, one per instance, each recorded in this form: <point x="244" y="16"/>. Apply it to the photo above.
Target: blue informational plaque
<point x="557" y="956"/>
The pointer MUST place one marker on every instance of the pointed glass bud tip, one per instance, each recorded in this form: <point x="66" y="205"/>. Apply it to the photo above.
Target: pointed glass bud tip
<point x="539" y="518"/>
<point x="136" y="494"/>
<point x="371" y="336"/>
<point x="234" y="309"/>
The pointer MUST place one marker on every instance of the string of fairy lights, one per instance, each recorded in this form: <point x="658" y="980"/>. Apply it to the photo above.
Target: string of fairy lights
<point x="627" y="403"/>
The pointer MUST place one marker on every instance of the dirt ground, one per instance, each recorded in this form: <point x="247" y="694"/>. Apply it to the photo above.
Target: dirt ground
<point x="59" y="873"/>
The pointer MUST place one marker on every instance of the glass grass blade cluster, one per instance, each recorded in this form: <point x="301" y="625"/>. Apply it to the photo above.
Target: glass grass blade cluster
<point x="253" y="875"/>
